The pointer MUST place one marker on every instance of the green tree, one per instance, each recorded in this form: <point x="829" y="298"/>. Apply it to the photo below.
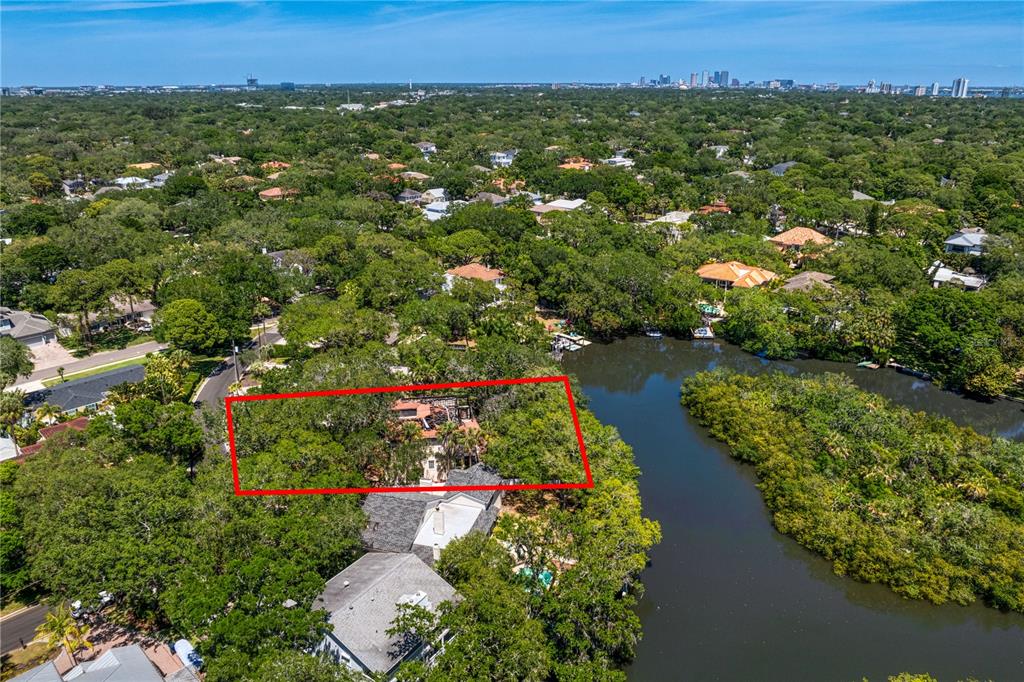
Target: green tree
<point x="187" y="325"/>
<point x="61" y="627"/>
<point x="15" y="361"/>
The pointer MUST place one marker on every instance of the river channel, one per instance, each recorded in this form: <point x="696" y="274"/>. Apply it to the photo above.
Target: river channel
<point x="727" y="596"/>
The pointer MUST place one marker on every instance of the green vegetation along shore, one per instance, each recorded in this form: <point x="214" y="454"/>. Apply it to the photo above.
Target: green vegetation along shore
<point x="930" y="509"/>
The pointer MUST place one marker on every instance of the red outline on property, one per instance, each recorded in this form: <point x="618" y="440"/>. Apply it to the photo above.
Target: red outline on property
<point x="563" y="379"/>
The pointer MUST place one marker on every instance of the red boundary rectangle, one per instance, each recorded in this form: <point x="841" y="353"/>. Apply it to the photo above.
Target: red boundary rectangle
<point x="563" y="379"/>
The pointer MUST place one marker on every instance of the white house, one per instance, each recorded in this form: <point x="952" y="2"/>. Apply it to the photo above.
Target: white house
<point x="426" y="148"/>
<point x="130" y="181"/>
<point x="940" y="275"/>
<point x="436" y="210"/>
<point x="968" y="240"/>
<point x="503" y="159"/>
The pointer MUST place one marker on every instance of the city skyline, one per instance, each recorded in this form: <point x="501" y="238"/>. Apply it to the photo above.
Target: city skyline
<point x="137" y="42"/>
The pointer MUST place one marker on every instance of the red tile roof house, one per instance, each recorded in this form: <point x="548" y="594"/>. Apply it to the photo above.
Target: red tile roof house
<point x="277" y="193"/>
<point x="429" y="414"/>
<point x="714" y="207"/>
<point x="796" y="238"/>
<point x="45" y="432"/>
<point x="734" y="274"/>
<point x="474" y="271"/>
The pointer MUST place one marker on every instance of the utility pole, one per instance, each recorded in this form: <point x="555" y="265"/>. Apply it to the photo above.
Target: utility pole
<point x="234" y="360"/>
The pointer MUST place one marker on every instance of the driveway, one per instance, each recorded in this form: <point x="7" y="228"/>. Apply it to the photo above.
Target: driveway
<point x="50" y="355"/>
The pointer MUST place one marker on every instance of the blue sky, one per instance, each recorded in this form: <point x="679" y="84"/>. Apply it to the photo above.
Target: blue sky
<point x="216" y="41"/>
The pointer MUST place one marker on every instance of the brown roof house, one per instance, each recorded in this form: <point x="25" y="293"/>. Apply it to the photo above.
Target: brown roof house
<point x="277" y="193"/>
<point x="735" y="274"/>
<point x="474" y="271"/>
<point x="797" y="238"/>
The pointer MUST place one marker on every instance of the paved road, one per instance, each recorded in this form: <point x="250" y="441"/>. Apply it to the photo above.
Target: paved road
<point x="97" y="359"/>
<point x="21" y="626"/>
<point x="216" y="387"/>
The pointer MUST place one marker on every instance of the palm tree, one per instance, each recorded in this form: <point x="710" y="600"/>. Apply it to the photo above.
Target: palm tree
<point x="47" y="413"/>
<point x="61" y="626"/>
<point x="11" y="409"/>
<point x="448" y="432"/>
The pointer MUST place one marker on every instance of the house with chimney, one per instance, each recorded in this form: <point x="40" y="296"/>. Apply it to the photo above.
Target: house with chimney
<point x="424" y="523"/>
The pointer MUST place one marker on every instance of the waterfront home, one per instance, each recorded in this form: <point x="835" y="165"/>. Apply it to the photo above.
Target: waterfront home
<point x="30" y="329"/>
<point x="968" y="279"/>
<point x="275" y="165"/>
<point x="476" y="271"/>
<point x="424" y="523"/>
<point x="362" y="602"/>
<point x="970" y="240"/>
<point x="557" y="205"/>
<point x="734" y="274"/>
<point x="429" y="414"/>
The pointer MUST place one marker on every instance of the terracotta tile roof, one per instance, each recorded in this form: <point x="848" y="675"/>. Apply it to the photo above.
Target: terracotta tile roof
<point x="277" y="193"/>
<point x="422" y="409"/>
<point x="798" y="236"/>
<point x="476" y="271"/>
<point x="576" y="163"/>
<point x="278" y="165"/>
<point x="735" y="273"/>
<point x="78" y="424"/>
<point x="714" y="207"/>
<point x="396" y="166"/>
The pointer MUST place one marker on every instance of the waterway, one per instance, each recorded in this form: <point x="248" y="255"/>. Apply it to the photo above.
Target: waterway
<point x="727" y="596"/>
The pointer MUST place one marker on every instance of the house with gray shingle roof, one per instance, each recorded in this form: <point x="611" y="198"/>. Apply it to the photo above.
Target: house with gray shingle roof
<point x="120" y="664"/>
<point x="424" y="523"/>
<point x="25" y="327"/>
<point x="83" y="394"/>
<point x="362" y="603"/>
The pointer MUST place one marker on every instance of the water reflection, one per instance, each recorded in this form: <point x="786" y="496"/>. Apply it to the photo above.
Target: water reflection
<point x="728" y="597"/>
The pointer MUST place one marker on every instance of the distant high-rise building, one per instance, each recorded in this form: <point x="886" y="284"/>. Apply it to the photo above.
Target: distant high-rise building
<point x="935" y="89"/>
<point x="735" y="82"/>
<point x="919" y="91"/>
<point x="703" y="78"/>
<point x="251" y="82"/>
<point x="643" y="81"/>
<point x="723" y="79"/>
<point x="664" y="79"/>
<point x="287" y="85"/>
<point x="960" y="87"/>
<point x="693" y="79"/>
<point x="885" y="88"/>
<point x="717" y="78"/>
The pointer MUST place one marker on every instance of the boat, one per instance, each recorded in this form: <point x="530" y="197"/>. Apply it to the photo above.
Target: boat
<point x="653" y="333"/>
<point x="703" y="333"/>
<point x="868" y="364"/>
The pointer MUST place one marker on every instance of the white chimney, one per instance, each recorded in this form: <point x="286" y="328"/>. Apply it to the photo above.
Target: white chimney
<point x="437" y="551"/>
<point x="438" y="521"/>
